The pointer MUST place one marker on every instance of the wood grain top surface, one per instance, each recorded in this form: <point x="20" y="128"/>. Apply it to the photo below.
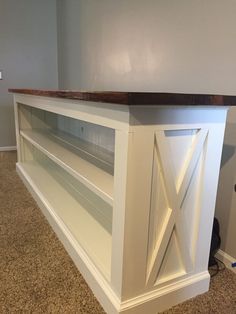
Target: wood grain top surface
<point x="135" y="98"/>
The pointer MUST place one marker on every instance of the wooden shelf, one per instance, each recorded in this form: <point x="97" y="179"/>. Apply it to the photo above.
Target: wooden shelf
<point x="79" y="217"/>
<point x="70" y="153"/>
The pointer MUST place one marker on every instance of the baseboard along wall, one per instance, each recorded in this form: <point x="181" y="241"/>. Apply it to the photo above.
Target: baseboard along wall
<point x="227" y="260"/>
<point x="7" y="148"/>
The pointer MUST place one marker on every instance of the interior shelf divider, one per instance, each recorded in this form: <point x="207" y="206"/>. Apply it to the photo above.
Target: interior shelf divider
<point x="67" y="155"/>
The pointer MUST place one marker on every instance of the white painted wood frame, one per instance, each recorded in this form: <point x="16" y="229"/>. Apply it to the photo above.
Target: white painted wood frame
<point x="152" y="220"/>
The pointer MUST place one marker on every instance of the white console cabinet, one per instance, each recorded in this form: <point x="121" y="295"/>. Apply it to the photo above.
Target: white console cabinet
<point x="129" y="189"/>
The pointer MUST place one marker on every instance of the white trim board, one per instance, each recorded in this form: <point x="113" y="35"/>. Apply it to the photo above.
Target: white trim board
<point x="226" y="259"/>
<point x="169" y="296"/>
<point x="7" y="148"/>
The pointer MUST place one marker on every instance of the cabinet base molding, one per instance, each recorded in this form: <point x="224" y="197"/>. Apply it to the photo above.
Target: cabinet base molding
<point x="168" y="296"/>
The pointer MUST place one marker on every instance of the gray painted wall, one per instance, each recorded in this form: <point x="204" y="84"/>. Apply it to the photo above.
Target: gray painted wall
<point x="156" y="45"/>
<point x="226" y="196"/>
<point x="28" y="54"/>
<point x="151" y="45"/>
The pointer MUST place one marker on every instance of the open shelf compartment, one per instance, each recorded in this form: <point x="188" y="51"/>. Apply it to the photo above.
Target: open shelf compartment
<point x="79" y="211"/>
<point x="61" y="140"/>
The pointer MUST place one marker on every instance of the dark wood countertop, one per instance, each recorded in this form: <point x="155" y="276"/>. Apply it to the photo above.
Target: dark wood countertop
<point x="136" y="98"/>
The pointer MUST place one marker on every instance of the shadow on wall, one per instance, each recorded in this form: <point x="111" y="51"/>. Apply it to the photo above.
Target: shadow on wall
<point x="7" y="122"/>
<point x="225" y="210"/>
<point x="227" y="153"/>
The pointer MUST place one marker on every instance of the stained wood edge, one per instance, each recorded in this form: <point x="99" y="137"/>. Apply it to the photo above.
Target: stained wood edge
<point x="135" y="98"/>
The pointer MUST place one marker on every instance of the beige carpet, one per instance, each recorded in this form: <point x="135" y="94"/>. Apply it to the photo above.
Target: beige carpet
<point x="37" y="275"/>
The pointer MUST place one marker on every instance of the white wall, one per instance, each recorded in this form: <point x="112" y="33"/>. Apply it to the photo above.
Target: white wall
<point x="28" y="54"/>
<point x="151" y="45"/>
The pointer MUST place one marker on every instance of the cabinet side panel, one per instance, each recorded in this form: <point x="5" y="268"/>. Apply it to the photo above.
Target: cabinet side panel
<point x="209" y="190"/>
<point x="25" y="117"/>
<point x="172" y="177"/>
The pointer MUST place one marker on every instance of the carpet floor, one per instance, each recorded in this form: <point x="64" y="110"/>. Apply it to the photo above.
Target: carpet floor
<point x="38" y="276"/>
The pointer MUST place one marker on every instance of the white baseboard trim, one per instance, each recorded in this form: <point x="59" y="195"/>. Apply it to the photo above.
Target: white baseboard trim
<point x="7" y="148"/>
<point x="226" y="259"/>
